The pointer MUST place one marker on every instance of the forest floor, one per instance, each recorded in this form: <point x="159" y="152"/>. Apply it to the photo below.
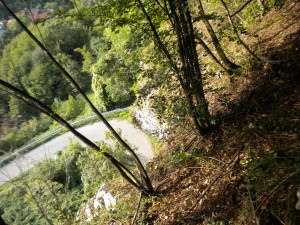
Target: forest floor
<point x="248" y="170"/>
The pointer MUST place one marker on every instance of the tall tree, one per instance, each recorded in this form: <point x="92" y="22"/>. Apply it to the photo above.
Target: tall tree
<point x="188" y="68"/>
<point x="147" y="188"/>
<point x="37" y="104"/>
<point x="230" y="65"/>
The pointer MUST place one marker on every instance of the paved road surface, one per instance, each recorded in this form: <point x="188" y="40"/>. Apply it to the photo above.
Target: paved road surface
<point x="94" y="132"/>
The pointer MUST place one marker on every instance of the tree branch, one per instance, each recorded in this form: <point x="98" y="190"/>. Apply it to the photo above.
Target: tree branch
<point x="242" y="42"/>
<point x="94" y="109"/>
<point x="210" y="53"/>
<point x="35" y="103"/>
<point x="240" y="8"/>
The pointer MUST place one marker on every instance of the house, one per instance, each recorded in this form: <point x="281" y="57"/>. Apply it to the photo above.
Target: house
<point x="38" y="14"/>
<point x="34" y="14"/>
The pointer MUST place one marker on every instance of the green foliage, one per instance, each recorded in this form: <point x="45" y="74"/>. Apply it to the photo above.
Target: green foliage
<point x="68" y="172"/>
<point x="123" y="115"/>
<point x="20" y="109"/>
<point x="50" y="189"/>
<point x="182" y="157"/>
<point x="45" y="83"/>
<point x="74" y="67"/>
<point x="4" y="103"/>
<point x="17" y="136"/>
<point x="121" y="212"/>
<point x="97" y="170"/>
<point x="275" y="3"/>
<point x="33" y="198"/>
<point x="114" y="68"/>
<point x="16" y="213"/>
<point x="26" y="66"/>
<point x="63" y="36"/>
<point x="69" y="109"/>
<point x="51" y="5"/>
<point x="54" y="188"/>
<point x="158" y="87"/>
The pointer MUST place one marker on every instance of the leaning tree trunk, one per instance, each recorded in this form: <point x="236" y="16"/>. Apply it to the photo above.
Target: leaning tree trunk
<point x="190" y="76"/>
<point x="37" y="104"/>
<point x="215" y="41"/>
<point x="210" y="53"/>
<point x="188" y="70"/>
<point x="142" y="170"/>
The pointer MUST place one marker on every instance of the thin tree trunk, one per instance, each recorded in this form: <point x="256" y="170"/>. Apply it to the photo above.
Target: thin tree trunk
<point x="215" y="40"/>
<point x="242" y="42"/>
<point x="240" y="8"/>
<point x="188" y="74"/>
<point x="189" y="58"/>
<point x="210" y="53"/>
<point x="35" y="103"/>
<point x="140" y="166"/>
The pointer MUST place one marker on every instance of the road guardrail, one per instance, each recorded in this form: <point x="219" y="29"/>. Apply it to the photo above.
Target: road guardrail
<point x="27" y="147"/>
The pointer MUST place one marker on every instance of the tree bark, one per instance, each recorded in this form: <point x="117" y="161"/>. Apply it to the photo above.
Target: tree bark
<point x="215" y="41"/>
<point x="188" y="72"/>
<point x="210" y="53"/>
<point x="35" y="103"/>
<point x="191" y="73"/>
<point x="139" y="164"/>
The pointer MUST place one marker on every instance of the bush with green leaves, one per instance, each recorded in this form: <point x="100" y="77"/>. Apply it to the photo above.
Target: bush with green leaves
<point x="20" y="134"/>
<point x="51" y="191"/>
<point x="34" y="198"/>
<point x="96" y="170"/>
<point x="112" y="58"/>
<point x="69" y="109"/>
<point x="54" y="190"/>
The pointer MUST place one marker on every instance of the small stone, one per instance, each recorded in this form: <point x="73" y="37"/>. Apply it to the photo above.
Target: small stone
<point x="298" y="203"/>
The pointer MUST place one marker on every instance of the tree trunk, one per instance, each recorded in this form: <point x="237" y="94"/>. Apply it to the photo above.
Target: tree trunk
<point x="188" y="70"/>
<point x="191" y="74"/>
<point x="215" y="41"/>
<point x="210" y="53"/>
<point x="138" y="162"/>
<point x="35" y="103"/>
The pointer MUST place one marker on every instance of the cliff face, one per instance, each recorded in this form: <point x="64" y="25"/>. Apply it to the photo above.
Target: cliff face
<point x="144" y="117"/>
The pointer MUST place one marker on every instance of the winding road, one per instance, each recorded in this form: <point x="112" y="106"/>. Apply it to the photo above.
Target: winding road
<point x="94" y="132"/>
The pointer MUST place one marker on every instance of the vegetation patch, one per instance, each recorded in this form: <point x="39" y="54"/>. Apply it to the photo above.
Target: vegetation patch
<point x="222" y="75"/>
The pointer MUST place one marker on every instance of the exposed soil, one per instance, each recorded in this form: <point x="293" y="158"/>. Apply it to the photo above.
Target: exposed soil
<point x="247" y="171"/>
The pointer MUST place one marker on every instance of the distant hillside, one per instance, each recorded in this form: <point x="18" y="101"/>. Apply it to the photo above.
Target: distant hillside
<point x="18" y="6"/>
